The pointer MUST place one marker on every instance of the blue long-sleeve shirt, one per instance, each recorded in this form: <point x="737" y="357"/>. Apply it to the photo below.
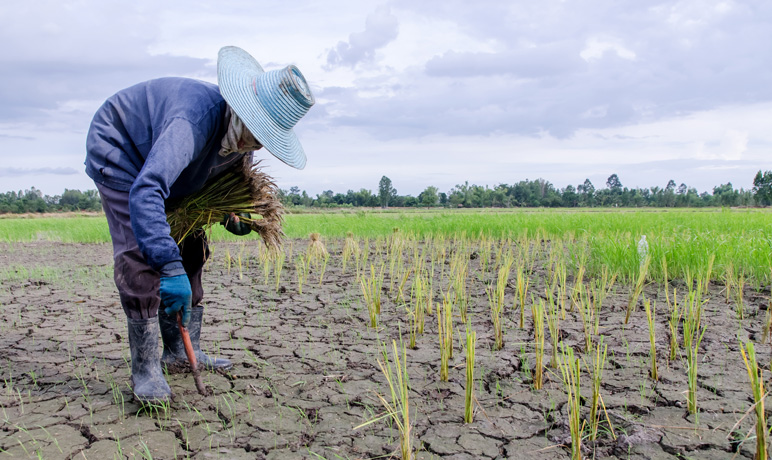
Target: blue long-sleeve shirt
<point x="158" y="140"/>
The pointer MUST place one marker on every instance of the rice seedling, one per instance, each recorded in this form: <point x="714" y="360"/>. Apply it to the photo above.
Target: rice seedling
<point x="471" y="343"/>
<point x="767" y="323"/>
<point x="587" y="313"/>
<point x="439" y="256"/>
<point x="240" y="262"/>
<point x="419" y="296"/>
<point x="371" y="290"/>
<point x="577" y="290"/>
<point x="523" y="281"/>
<point x="322" y="268"/>
<point x="445" y="334"/>
<point x="637" y="289"/>
<point x="693" y="331"/>
<point x="708" y="271"/>
<point x="728" y="281"/>
<point x="496" y="301"/>
<point x="569" y="369"/>
<point x="553" y="325"/>
<point x="756" y="377"/>
<point x="537" y="310"/>
<point x="651" y="312"/>
<point x="361" y="261"/>
<point x="402" y="283"/>
<point x="739" y="301"/>
<point x="228" y="261"/>
<point x="398" y="405"/>
<point x="302" y="265"/>
<point x="689" y="277"/>
<point x="601" y="288"/>
<point x="459" y="270"/>
<point x="265" y="259"/>
<point x="673" y="320"/>
<point x="350" y="249"/>
<point x="278" y="266"/>
<point x="485" y="248"/>
<point x="596" y="372"/>
<point x="395" y="257"/>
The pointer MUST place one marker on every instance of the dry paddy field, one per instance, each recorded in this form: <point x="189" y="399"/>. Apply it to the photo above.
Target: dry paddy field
<point x="557" y="370"/>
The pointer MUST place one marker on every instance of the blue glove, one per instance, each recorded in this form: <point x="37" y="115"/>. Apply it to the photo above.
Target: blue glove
<point x="239" y="228"/>
<point x="176" y="296"/>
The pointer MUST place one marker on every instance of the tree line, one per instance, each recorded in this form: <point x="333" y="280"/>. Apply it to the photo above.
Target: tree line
<point x="526" y="193"/>
<point x="33" y="201"/>
<point x="541" y="193"/>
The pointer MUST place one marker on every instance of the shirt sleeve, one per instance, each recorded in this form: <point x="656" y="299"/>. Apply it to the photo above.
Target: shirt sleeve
<point x="175" y="148"/>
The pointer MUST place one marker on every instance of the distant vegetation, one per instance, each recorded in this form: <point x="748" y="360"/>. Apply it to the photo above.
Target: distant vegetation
<point x="30" y="201"/>
<point x="541" y="193"/>
<point x="526" y="193"/>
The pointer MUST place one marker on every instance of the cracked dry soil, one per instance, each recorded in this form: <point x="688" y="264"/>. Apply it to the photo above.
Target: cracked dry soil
<point x="305" y="372"/>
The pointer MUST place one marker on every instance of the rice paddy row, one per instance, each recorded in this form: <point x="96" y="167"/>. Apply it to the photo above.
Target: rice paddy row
<point x="737" y="241"/>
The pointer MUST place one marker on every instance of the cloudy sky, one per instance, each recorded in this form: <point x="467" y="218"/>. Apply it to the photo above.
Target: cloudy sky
<point x="424" y="92"/>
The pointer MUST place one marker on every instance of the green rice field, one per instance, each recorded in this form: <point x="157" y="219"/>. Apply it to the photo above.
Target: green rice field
<point x="687" y="239"/>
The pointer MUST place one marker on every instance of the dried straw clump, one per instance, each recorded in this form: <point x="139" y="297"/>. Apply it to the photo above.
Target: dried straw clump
<point x="242" y="189"/>
<point x="316" y="249"/>
<point x="351" y="247"/>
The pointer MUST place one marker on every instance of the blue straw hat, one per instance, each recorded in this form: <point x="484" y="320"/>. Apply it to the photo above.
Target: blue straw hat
<point x="268" y="103"/>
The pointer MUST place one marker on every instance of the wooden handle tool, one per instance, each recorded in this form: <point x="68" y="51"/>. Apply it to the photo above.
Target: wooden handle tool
<point x="191" y="357"/>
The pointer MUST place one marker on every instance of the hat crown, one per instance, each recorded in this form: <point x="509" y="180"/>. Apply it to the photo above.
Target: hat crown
<point x="284" y="94"/>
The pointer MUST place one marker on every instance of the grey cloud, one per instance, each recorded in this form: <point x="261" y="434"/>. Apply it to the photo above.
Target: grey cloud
<point x="381" y="27"/>
<point x="545" y="61"/>
<point x="11" y="136"/>
<point x="16" y="172"/>
<point x="66" y="53"/>
<point x="536" y="81"/>
<point x="31" y="86"/>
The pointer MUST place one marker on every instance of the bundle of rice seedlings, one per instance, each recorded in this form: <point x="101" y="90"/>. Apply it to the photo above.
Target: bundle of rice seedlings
<point x="242" y="189"/>
<point x="350" y="248"/>
<point x="316" y="249"/>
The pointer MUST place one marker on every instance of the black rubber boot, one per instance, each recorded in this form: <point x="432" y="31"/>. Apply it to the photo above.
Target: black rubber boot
<point x="174" y="357"/>
<point x="147" y="378"/>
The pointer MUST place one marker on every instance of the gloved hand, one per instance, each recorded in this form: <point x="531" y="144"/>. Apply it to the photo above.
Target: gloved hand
<point x="176" y="296"/>
<point x="235" y="225"/>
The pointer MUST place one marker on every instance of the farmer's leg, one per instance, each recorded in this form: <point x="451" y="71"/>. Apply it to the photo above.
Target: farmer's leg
<point x="195" y="251"/>
<point x="137" y="285"/>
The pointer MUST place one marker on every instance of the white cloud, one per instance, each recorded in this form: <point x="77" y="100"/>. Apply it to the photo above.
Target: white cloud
<point x="433" y="91"/>
<point x="596" y="48"/>
<point x="381" y="27"/>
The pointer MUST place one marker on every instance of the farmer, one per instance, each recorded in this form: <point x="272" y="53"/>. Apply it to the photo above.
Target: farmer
<point x="159" y="141"/>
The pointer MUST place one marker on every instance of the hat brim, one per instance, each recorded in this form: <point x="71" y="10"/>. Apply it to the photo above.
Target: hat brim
<point x="236" y="73"/>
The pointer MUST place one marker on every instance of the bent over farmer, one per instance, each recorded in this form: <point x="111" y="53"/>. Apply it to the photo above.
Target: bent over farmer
<point x="159" y="141"/>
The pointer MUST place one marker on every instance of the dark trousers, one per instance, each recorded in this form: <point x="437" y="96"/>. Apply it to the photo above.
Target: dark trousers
<point x="137" y="283"/>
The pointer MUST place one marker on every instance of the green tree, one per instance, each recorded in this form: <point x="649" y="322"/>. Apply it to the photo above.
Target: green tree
<point x="613" y="183"/>
<point x="612" y="196"/>
<point x="587" y="190"/>
<point x="570" y="197"/>
<point x="429" y="196"/>
<point x="762" y="187"/>
<point x="725" y="195"/>
<point x="386" y="193"/>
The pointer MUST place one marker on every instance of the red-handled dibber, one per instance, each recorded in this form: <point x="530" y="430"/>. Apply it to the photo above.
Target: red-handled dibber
<point x="191" y="357"/>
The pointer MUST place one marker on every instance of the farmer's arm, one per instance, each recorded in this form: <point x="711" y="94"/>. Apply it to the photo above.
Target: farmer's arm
<point x="172" y="152"/>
